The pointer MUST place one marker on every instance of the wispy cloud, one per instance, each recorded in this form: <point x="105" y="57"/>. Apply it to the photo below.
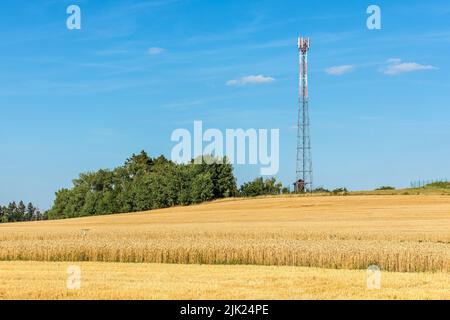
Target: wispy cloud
<point x="128" y="12"/>
<point x="111" y="52"/>
<point x="259" y="79"/>
<point x="155" y="50"/>
<point x="340" y="70"/>
<point x="396" y="66"/>
<point x="184" y="104"/>
<point x="260" y="24"/>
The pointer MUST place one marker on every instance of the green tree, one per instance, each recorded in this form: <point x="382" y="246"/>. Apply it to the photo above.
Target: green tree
<point x="31" y="211"/>
<point x="2" y="214"/>
<point x="11" y="212"/>
<point x="259" y="187"/>
<point x="221" y="172"/>
<point x="285" y="190"/>
<point x="202" y="188"/>
<point x="21" y="211"/>
<point x="139" y="164"/>
<point x="60" y="206"/>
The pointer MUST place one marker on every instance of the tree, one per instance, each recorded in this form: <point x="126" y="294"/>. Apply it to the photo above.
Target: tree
<point x="221" y="171"/>
<point x="17" y="213"/>
<point x="31" y="212"/>
<point x="140" y="163"/>
<point x="21" y="210"/>
<point x="11" y="212"/>
<point x="41" y="216"/>
<point x="202" y="188"/>
<point x="253" y="188"/>
<point x="285" y="190"/>
<point x="259" y="187"/>
<point x="2" y="214"/>
<point x="60" y="206"/>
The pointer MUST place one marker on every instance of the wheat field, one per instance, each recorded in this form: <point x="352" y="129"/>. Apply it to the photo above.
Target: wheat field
<point x="397" y="233"/>
<point x="47" y="280"/>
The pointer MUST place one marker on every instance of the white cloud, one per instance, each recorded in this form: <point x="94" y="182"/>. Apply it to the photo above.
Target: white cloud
<point x="396" y="66"/>
<point x="339" y="70"/>
<point x="155" y="50"/>
<point x="394" y="60"/>
<point x="259" y="79"/>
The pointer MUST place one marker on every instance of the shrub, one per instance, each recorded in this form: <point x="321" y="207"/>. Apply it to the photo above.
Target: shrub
<point x="385" y="188"/>
<point x="340" y="191"/>
<point x="260" y="187"/>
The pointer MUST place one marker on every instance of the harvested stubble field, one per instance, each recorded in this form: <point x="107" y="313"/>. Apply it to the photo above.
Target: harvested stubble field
<point x="397" y="232"/>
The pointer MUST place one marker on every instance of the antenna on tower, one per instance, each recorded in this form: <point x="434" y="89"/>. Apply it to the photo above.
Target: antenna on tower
<point x="304" y="180"/>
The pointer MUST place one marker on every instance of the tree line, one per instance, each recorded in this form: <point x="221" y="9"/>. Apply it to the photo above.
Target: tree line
<point x="14" y="212"/>
<point x="145" y="183"/>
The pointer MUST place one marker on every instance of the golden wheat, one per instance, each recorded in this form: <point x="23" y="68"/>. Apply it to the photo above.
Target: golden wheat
<point x="47" y="280"/>
<point x="398" y="233"/>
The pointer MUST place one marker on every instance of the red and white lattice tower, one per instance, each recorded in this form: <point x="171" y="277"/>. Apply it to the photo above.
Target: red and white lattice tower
<point x="304" y="182"/>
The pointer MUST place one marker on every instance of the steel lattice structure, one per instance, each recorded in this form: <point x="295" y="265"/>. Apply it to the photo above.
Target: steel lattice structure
<point x="304" y="182"/>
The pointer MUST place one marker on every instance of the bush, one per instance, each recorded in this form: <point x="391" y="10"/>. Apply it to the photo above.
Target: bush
<point x="439" y="185"/>
<point x="385" y="188"/>
<point x="261" y="187"/>
<point x="321" y="190"/>
<point x="340" y="191"/>
<point x="285" y="190"/>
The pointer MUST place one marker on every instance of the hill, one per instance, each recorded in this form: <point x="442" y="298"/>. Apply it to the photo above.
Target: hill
<point x="398" y="233"/>
<point x="269" y="248"/>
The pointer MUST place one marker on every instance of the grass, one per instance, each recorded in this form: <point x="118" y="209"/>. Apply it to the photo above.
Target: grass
<point x="398" y="233"/>
<point x="47" y="280"/>
<point x="432" y="189"/>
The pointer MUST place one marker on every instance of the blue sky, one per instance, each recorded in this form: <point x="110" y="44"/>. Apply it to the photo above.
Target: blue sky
<point x="80" y="100"/>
